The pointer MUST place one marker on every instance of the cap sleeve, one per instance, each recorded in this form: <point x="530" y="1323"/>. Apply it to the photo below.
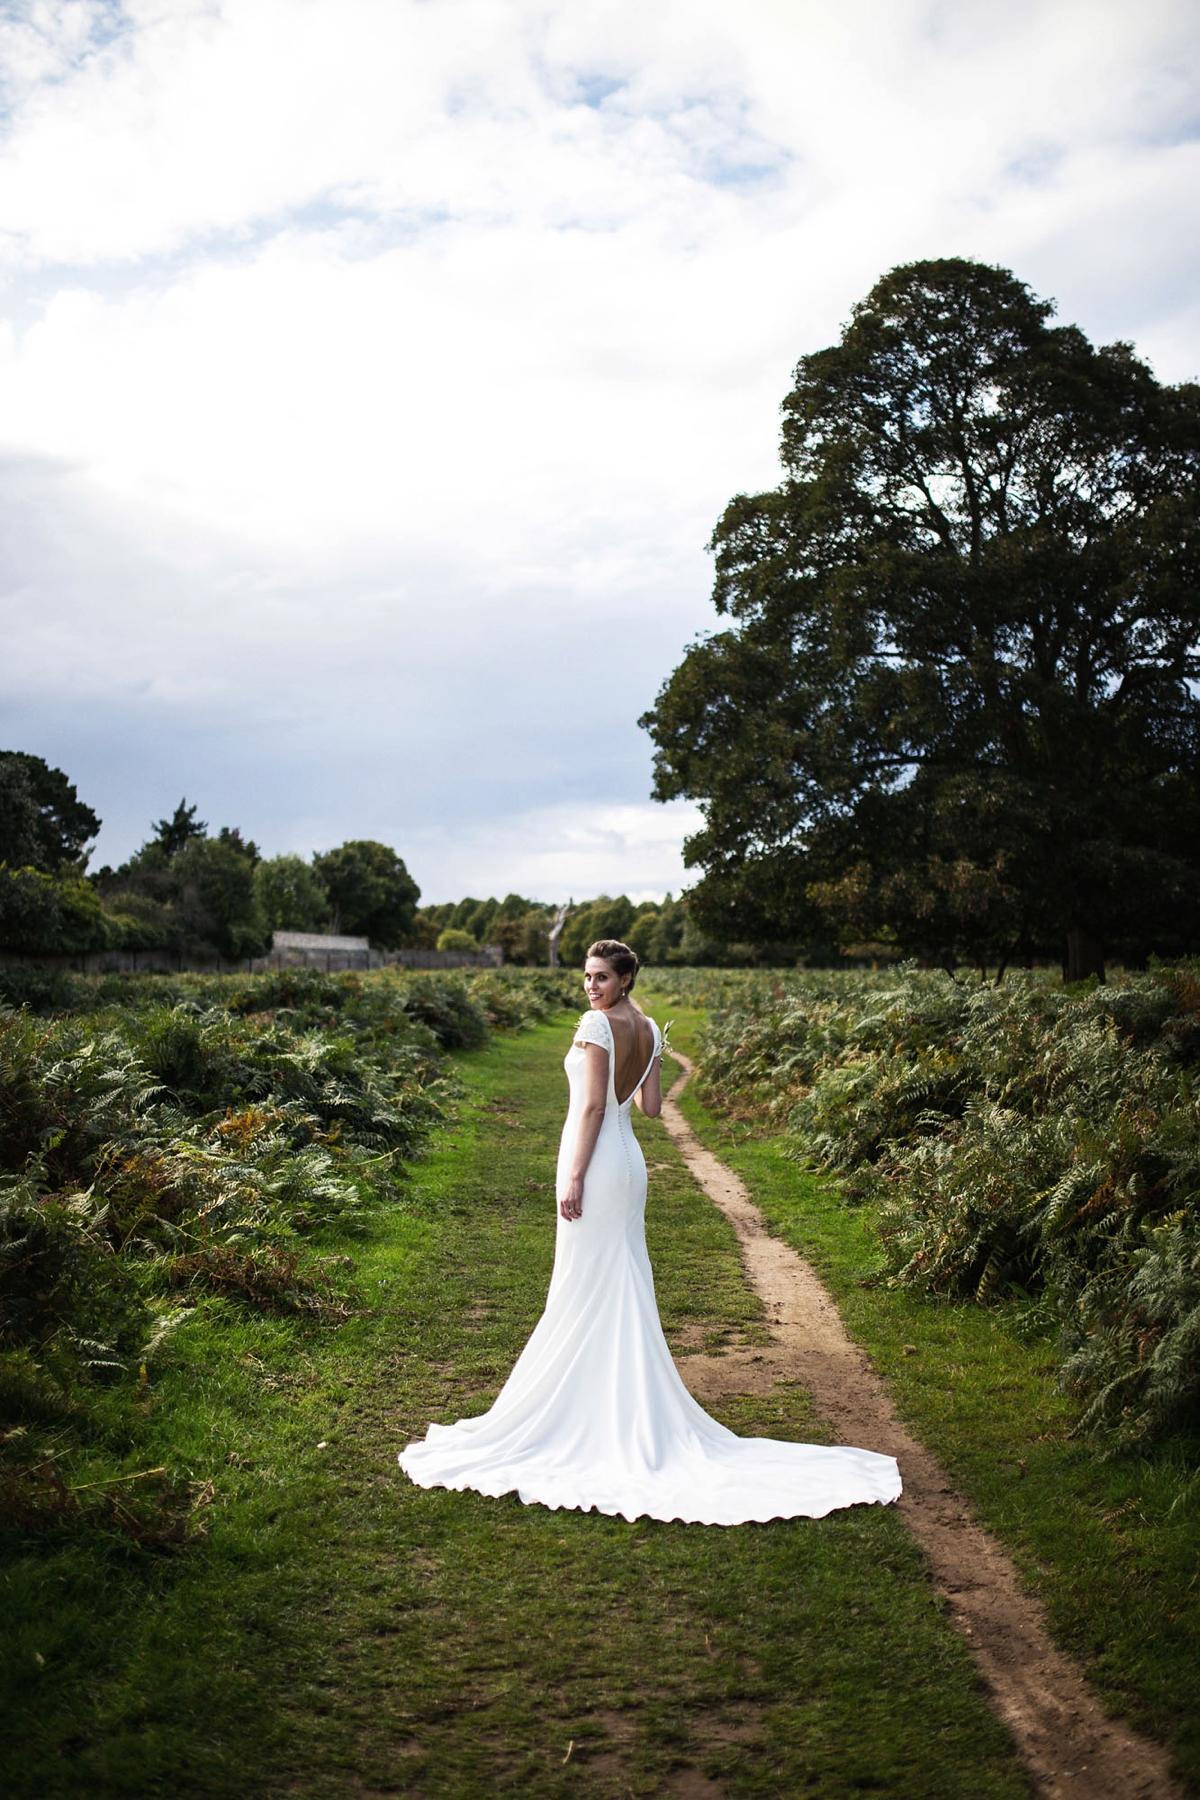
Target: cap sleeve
<point x="594" y="1028"/>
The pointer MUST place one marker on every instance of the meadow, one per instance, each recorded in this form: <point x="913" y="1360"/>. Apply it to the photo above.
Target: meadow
<point x="319" y="1625"/>
<point x="258" y="1231"/>
<point x="165" y="1142"/>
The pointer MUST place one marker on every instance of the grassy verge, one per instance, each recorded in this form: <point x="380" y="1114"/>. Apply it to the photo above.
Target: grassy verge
<point x="1112" y="1546"/>
<point x="340" y="1631"/>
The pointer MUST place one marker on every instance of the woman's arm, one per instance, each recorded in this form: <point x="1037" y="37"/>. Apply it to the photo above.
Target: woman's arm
<point x="595" y="1100"/>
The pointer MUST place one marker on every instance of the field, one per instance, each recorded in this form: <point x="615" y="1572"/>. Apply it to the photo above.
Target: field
<point x="334" y="1625"/>
<point x="276" y="1610"/>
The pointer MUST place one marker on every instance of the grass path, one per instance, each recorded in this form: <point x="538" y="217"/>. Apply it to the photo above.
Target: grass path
<point x="343" y="1633"/>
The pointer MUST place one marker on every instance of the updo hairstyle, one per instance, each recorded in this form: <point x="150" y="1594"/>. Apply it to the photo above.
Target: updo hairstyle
<point x="619" y="957"/>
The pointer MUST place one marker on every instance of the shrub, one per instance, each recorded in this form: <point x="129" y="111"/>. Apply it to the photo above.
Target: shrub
<point x="52" y="914"/>
<point x="65" y="1297"/>
<point x="452" y="939"/>
<point x="169" y="1139"/>
<point x="1034" y="1139"/>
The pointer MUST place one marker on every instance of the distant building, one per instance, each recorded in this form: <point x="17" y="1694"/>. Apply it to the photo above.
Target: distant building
<point x="319" y="950"/>
<point x="315" y="940"/>
<point x="322" y="950"/>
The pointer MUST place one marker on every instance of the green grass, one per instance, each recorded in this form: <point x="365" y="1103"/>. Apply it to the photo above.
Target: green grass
<point x="343" y="1632"/>
<point x="1112" y="1546"/>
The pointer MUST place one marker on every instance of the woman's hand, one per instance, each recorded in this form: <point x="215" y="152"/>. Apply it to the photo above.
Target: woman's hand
<point x="571" y="1204"/>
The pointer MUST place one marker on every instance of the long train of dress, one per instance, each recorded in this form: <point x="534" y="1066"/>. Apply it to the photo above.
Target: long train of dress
<point x="594" y="1413"/>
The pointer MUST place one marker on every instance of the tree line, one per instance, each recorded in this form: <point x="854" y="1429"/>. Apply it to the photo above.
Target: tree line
<point x="657" y="930"/>
<point x="209" y="894"/>
<point x="187" y="890"/>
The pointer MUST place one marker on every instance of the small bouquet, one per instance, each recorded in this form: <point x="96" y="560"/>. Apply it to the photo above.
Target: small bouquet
<point x="666" y="1048"/>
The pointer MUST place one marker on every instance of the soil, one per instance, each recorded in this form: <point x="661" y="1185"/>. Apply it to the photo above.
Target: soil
<point x="1072" y="1750"/>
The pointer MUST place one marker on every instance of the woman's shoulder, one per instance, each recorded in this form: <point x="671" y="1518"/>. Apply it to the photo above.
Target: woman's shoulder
<point x="593" y="1028"/>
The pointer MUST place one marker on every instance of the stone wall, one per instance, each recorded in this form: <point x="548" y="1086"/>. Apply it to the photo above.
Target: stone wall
<point x="142" y="962"/>
<point x="163" y="962"/>
<point x="313" y="954"/>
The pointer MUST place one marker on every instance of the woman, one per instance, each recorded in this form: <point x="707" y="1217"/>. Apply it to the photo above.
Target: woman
<point x="594" y="1414"/>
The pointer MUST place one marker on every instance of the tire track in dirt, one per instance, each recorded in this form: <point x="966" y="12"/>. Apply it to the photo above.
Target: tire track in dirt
<point x="1072" y="1750"/>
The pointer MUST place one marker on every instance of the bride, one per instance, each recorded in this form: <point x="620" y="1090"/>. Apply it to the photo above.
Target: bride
<point x="595" y="1414"/>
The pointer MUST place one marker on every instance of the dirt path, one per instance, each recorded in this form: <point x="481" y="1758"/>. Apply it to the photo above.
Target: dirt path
<point x="1072" y="1750"/>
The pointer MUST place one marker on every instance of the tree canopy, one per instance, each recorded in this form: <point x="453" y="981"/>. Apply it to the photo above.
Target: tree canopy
<point x="189" y="891"/>
<point x="291" y="894"/>
<point x="170" y="835"/>
<point x="43" y="823"/>
<point x="371" y="892"/>
<point x="955" y="707"/>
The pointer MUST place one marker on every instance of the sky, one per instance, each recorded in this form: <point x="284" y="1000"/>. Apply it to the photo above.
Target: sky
<point x="373" y="372"/>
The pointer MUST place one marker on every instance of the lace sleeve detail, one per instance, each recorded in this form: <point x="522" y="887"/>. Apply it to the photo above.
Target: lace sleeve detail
<point x="594" y="1028"/>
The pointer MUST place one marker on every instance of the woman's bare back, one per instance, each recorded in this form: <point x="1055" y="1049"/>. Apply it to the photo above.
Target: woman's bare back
<point x="633" y="1037"/>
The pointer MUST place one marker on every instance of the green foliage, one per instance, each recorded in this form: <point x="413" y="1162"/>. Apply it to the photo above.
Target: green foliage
<point x="520" y="927"/>
<point x="660" y="932"/>
<point x="189" y="892"/>
<point x="509" y="997"/>
<point x="345" y="1628"/>
<point x="955" y="707"/>
<point x="478" y="923"/>
<point x="459" y="914"/>
<point x="46" y="906"/>
<point x="173" y="834"/>
<point x="53" y="914"/>
<point x="525" y="941"/>
<point x="71" y="1307"/>
<point x="522" y="931"/>
<point x="1110" y="1541"/>
<point x="657" y="931"/>
<point x="215" y="898"/>
<point x="370" y="891"/>
<point x="43" y="823"/>
<point x="603" y="918"/>
<point x="172" y="1139"/>
<point x="1035" y="1140"/>
<point x="450" y="939"/>
<point x="291" y="894"/>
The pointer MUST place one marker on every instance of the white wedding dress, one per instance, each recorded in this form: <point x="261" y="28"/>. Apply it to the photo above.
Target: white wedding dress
<point x="595" y="1414"/>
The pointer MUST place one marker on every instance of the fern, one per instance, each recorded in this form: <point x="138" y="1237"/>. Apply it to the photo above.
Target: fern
<point x="1030" y="1140"/>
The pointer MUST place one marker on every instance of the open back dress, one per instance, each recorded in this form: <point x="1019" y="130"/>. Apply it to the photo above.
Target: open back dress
<point x="594" y="1413"/>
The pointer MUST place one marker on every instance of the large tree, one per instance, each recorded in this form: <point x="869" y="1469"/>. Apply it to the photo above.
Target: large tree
<point x="370" y="891"/>
<point x="955" y="705"/>
<point x="43" y="822"/>
<point x="291" y="894"/>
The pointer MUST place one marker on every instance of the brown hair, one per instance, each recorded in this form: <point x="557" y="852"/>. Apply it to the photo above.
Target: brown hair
<point x="619" y="957"/>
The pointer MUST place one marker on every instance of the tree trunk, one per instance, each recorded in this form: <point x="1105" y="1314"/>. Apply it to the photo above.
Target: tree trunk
<point x="1085" y="955"/>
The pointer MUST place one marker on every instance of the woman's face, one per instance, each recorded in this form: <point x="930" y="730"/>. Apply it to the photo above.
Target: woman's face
<point x="601" y="983"/>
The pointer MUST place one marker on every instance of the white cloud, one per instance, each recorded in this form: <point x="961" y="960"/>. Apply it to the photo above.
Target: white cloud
<point x="373" y="371"/>
<point x="561" y="852"/>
